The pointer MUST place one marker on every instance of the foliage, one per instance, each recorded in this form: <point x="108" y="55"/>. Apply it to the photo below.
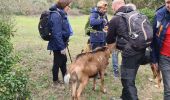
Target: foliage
<point x="13" y="81"/>
<point x="149" y="13"/>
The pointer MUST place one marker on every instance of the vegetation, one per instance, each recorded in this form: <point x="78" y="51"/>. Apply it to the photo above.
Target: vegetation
<point x="25" y="64"/>
<point x="13" y="80"/>
<point x="35" y="56"/>
<point x="32" y="7"/>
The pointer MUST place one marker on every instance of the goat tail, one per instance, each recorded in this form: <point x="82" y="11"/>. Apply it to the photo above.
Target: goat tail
<point x="70" y="78"/>
<point x="67" y="78"/>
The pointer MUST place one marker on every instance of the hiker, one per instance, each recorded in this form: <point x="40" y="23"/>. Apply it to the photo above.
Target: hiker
<point x="98" y="22"/>
<point x="116" y="52"/>
<point x="161" y="45"/>
<point x="132" y="52"/>
<point x="61" y="31"/>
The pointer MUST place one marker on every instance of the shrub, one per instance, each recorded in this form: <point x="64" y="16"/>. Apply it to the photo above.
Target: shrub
<point x="148" y="12"/>
<point x="13" y="79"/>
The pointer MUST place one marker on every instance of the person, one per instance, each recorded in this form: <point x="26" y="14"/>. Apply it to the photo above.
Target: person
<point x="160" y="46"/>
<point x="131" y="58"/>
<point x="116" y="52"/>
<point x="60" y="33"/>
<point x="98" y="22"/>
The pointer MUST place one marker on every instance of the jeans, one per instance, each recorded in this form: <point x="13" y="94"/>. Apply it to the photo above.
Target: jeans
<point x="164" y="65"/>
<point x="129" y="70"/>
<point x="59" y="61"/>
<point x="115" y="59"/>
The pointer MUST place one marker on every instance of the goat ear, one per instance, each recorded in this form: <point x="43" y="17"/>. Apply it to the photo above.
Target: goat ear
<point x="111" y="47"/>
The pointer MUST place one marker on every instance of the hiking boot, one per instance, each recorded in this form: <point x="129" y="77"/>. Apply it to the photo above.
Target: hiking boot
<point x="57" y="82"/>
<point x="116" y="73"/>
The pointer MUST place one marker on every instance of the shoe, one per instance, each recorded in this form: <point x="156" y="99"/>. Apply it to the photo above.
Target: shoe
<point x="58" y="82"/>
<point x="116" y="73"/>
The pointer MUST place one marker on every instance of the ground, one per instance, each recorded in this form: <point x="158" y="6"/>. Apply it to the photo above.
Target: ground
<point x="34" y="56"/>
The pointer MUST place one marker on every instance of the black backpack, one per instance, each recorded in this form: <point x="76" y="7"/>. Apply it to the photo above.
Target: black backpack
<point x="43" y="26"/>
<point x="140" y="32"/>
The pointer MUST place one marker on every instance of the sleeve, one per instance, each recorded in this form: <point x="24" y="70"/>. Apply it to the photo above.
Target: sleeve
<point x="94" y="20"/>
<point x="57" y="30"/>
<point x="112" y="27"/>
<point x="153" y="44"/>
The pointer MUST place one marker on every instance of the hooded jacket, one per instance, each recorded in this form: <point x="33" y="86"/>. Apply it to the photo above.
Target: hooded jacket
<point x="97" y="21"/>
<point x="60" y="29"/>
<point x="161" y="19"/>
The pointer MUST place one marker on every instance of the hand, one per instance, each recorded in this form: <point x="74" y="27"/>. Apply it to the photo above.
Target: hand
<point x="105" y="29"/>
<point x="63" y="51"/>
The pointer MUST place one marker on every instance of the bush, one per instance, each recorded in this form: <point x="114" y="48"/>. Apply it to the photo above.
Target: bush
<point x="13" y="79"/>
<point x="149" y="13"/>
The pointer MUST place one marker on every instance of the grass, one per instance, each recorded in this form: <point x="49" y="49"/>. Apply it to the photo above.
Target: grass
<point x="34" y="55"/>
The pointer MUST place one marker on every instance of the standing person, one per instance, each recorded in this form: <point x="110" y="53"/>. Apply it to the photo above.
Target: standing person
<point x="60" y="33"/>
<point x="131" y="58"/>
<point x="116" y="52"/>
<point x="161" y="45"/>
<point x="98" y="22"/>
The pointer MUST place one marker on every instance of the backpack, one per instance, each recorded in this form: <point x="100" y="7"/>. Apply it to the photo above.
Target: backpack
<point x="43" y="26"/>
<point x="87" y="27"/>
<point x="140" y="32"/>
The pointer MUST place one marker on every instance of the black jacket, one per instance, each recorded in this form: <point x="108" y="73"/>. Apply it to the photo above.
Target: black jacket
<point x="118" y="33"/>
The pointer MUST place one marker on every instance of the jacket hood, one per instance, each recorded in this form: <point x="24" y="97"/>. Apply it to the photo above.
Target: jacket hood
<point x="124" y="9"/>
<point x="94" y="10"/>
<point x="54" y="7"/>
<point x="162" y="13"/>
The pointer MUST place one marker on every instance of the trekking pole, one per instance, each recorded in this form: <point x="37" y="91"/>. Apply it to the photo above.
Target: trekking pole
<point x="69" y="54"/>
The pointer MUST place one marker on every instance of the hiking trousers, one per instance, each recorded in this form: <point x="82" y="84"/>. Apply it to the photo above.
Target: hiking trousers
<point x="164" y="66"/>
<point x="129" y="70"/>
<point x="59" y="61"/>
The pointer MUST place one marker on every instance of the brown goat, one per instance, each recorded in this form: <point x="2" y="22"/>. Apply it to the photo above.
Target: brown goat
<point x="85" y="66"/>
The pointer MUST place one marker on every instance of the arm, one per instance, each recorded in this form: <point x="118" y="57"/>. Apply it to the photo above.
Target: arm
<point x="94" y="20"/>
<point x="111" y="37"/>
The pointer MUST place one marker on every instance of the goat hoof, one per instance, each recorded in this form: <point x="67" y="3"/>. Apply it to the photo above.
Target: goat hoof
<point x="104" y="91"/>
<point x="94" y="88"/>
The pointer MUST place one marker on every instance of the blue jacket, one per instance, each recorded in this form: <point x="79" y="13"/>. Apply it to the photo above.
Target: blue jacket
<point x="97" y="22"/>
<point x="161" y="22"/>
<point x="60" y="29"/>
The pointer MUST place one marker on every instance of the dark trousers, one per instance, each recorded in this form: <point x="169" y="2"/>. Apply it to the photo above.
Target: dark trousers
<point x="129" y="70"/>
<point x="164" y="65"/>
<point x="59" y="61"/>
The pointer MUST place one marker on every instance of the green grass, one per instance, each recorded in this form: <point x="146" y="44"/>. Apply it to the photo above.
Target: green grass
<point x="35" y="56"/>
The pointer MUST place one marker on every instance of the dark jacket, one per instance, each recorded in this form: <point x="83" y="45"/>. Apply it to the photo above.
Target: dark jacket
<point x="118" y="33"/>
<point x="97" y="22"/>
<point x="161" y="19"/>
<point x="60" y="29"/>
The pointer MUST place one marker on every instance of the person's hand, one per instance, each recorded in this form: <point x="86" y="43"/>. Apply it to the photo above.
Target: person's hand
<point x="105" y="29"/>
<point x="63" y="51"/>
